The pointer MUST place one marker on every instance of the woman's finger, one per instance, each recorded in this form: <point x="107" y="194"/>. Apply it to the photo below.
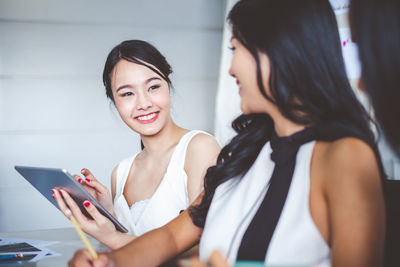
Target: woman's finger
<point x="195" y="262"/>
<point x="76" y="211"/>
<point x="95" y="184"/>
<point x="60" y="202"/>
<point x="88" y="174"/>
<point x="81" y="258"/>
<point x="78" y="178"/>
<point x="218" y="260"/>
<point x="102" y="261"/>
<point x="85" y="185"/>
<point x="92" y="210"/>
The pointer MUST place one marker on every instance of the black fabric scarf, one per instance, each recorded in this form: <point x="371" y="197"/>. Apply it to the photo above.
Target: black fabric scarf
<point x="256" y="239"/>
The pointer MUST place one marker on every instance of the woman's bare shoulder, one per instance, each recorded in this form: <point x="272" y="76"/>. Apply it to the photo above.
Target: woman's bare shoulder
<point x="202" y="151"/>
<point x="202" y="143"/>
<point x="347" y="161"/>
<point x="201" y="139"/>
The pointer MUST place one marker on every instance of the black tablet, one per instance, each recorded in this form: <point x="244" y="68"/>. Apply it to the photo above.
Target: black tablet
<point x="45" y="179"/>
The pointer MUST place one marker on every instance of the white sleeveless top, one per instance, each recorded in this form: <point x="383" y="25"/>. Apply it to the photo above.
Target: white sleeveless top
<point x="170" y="197"/>
<point x="296" y="240"/>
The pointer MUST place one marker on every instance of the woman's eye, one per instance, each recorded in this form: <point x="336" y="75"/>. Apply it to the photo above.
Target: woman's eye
<point x="153" y="87"/>
<point x="232" y="48"/>
<point x="127" y="94"/>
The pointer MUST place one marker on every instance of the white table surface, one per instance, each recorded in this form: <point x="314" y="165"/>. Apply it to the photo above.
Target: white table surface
<point x="69" y="242"/>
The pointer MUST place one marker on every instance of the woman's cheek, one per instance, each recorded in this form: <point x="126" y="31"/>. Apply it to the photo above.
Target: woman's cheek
<point x="162" y="100"/>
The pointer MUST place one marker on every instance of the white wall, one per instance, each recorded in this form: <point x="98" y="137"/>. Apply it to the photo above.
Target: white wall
<point x="53" y="109"/>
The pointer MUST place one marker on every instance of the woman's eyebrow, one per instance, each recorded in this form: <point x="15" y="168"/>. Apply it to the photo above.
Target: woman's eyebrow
<point x="123" y="86"/>
<point x="130" y="86"/>
<point x="151" y="79"/>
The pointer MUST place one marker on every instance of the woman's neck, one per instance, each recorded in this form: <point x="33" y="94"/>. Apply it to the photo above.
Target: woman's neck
<point x="159" y="143"/>
<point x="284" y="126"/>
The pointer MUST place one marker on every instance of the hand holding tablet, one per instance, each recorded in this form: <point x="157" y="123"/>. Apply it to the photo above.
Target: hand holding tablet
<point x="47" y="179"/>
<point x="96" y="189"/>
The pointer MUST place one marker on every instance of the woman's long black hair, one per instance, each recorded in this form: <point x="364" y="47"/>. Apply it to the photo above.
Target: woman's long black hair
<point x="375" y="27"/>
<point x="308" y="82"/>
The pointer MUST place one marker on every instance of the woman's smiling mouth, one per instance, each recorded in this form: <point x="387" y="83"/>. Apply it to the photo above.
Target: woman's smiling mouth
<point x="148" y="118"/>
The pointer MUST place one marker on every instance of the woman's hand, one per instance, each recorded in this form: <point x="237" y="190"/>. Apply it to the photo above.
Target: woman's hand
<point x="100" y="227"/>
<point x="96" y="189"/>
<point x="216" y="260"/>
<point x="82" y="259"/>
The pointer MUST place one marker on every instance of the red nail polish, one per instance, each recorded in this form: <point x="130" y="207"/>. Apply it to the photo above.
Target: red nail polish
<point x="86" y="204"/>
<point x="80" y="180"/>
<point x="87" y="180"/>
<point x="52" y="190"/>
<point x="61" y="193"/>
<point x="53" y="196"/>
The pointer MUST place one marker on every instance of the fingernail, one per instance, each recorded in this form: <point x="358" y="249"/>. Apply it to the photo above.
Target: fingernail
<point x="87" y="180"/>
<point x="52" y="190"/>
<point x="53" y="196"/>
<point x="61" y="193"/>
<point x="80" y="180"/>
<point x="86" y="204"/>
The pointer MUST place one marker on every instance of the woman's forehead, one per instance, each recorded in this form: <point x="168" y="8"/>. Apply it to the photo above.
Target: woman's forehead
<point x="129" y="72"/>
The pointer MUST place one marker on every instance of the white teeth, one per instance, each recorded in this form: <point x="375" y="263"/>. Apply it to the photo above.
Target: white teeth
<point x="146" y="117"/>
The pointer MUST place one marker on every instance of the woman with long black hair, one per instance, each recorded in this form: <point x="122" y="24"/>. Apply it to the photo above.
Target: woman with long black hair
<point x="153" y="186"/>
<point x="300" y="183"/>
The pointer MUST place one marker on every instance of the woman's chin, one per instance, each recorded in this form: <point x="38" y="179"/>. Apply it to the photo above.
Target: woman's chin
<point x="148" y="132"/>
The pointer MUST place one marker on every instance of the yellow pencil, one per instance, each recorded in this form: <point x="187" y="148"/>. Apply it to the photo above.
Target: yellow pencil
<point x="83" y="237"/>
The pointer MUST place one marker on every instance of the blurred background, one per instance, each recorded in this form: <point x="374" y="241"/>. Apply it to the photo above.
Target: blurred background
<point x="53" y="107"/>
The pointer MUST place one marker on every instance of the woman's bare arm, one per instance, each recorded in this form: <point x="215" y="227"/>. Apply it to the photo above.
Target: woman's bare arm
<point x="354" y="196"/>
<point x="202" y="152"/>
<point x="150" y="249"/>
<point x="114" y="182"/>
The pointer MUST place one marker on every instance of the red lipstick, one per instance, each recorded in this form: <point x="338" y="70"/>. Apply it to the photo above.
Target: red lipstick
<point x="147" y="118"/>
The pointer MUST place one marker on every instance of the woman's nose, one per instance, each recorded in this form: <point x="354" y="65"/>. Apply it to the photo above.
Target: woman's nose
<point x="231" y="72"/>
<point x="143" y="101"/>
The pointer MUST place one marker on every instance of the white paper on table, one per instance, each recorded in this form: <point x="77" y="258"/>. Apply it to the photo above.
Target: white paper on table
<point x="32" y="242"/>
<point x="39" y="244"/>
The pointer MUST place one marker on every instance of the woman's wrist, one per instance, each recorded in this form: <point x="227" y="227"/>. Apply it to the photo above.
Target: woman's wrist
<point x="113" y="240"/>
<point x="120" y="239"/>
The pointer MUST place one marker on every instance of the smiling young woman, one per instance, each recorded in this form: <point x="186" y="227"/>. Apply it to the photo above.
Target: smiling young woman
<point x="153" y="186"/>
<point x="142" y="98"/>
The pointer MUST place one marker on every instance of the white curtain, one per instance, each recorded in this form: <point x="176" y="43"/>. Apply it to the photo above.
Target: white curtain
<point x="228" y="100"/>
